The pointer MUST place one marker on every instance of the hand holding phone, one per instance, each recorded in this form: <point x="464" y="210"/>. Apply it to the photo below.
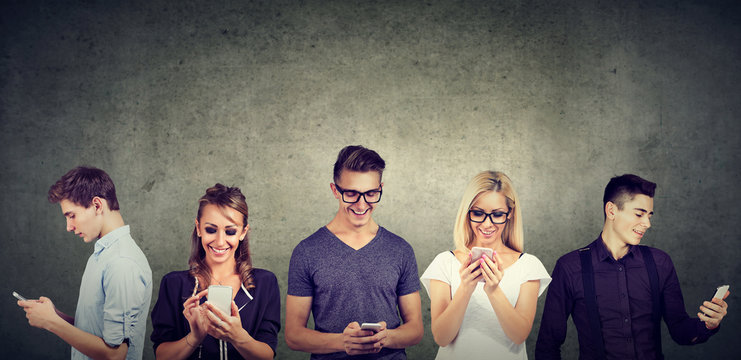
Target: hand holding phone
<point x="478" y="252"/>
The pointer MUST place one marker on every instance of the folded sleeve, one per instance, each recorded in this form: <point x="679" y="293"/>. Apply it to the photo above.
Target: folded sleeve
<point x="536" y="271"/>
<point x="125" y="285"/>
<point x="438" y="270"/>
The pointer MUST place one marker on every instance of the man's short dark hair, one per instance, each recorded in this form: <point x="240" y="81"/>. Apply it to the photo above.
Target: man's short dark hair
<point x="624" y="188"/>
<point x="358" y="158"/>
<point x="81" y="184"/>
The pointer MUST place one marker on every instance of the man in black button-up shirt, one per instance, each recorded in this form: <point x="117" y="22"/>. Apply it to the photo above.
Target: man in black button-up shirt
<point x="622" y="286"/>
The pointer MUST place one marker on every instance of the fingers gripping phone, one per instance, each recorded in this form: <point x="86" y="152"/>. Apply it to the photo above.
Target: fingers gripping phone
<point x="221" y="297"/>
<point x="478" y="252"/>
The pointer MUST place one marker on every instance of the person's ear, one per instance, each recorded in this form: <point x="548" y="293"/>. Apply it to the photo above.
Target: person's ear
<point x="244" y="232"/>
<point x="98" y="203"/>
<point x="610" y="210"/>
<point x="198" y="228"/>
<point x="334" y="191"/>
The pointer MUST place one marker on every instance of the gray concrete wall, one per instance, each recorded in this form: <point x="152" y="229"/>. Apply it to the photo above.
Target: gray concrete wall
<point x="171" y="97"/>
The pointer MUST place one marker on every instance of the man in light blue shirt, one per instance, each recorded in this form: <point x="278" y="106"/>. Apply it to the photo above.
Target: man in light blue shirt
<point x="116" y="288"/>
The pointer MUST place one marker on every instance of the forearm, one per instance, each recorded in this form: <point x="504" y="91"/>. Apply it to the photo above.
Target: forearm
<point x="446" y="326"/>
<point x="408" y="334"/>
<point x="301" y="338"/>
<point x="514" y="325"/>
<point x="179" y="349"/>
<point x="250" y="348"/>
<point x="86" y="343"/>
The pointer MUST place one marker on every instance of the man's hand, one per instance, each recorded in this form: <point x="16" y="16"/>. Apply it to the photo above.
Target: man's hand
<point x="712" y="312"/>
<point x="359" y="341"/>
<point x="40" y="313"/>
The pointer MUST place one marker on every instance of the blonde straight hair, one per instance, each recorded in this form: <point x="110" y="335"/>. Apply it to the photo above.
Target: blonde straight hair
<point x="484" y="182"/>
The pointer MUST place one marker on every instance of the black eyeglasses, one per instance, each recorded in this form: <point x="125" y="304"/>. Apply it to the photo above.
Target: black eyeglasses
<point x="479" y="216"/>
<point x="352" y="196"/>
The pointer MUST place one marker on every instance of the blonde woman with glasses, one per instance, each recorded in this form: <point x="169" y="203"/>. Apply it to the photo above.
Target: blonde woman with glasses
<point x="483" y="306"/>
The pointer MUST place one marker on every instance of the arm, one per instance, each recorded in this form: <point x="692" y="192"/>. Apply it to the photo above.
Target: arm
<point x="446" y="312"/>
<point x="301" y="338"/>
<point x="183" y="347"/>
<point x="683" y="329"/>
<point x="42" y="314"/>
<point x="553" y="325"/>
<point x="516" y="321"/>
<point x="411" y="331"/>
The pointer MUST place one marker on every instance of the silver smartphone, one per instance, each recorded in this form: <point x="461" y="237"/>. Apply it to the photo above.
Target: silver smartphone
<point x="375" y="327"/>
<point x="721" y="291"/>
<point x="221" y="297"/>
<point x="19" y="296"/>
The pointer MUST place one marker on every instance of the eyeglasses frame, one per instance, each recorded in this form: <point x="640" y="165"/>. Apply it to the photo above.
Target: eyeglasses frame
<point x="360" y="194"/>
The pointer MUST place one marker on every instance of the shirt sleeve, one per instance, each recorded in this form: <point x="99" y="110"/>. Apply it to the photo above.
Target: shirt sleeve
<point x="437" y="271"/>
<point x="553" y="325"/>
<point x="683" y="329"/>
<point x="167" y="314"/>
<point x="299" y="278"/>
<point x="267" y="330"/>
<point x="536" y="271"/>
<point x="125" y="287"/>
<point x="409" y="279"/>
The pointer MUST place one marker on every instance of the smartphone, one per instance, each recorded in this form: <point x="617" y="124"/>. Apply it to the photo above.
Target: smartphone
<point x="19" y="296"/>
<point x="721" y="291"/>
<point x="478" y="252"/>
<point x="221" y="297"/>
<point x="375" y="327"/>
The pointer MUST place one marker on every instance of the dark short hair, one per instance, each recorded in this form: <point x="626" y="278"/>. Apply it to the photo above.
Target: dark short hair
<point x="81" y="184"/>
<point x="624" y="188"/>
<point x="358" y="158"/>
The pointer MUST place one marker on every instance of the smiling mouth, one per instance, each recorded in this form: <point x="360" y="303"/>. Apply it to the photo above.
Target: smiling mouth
<point x="361" y="213"/>
<point x="219" y="251"/>
<point x="639" y="232"/>
<point x="487" y="233"/>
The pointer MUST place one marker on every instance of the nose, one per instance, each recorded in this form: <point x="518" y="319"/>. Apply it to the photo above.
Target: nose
<point x="70" y="226"/>
<point x="647" y="222"/>
<point x="362" y="203"/>
<point x="220" y="237"/>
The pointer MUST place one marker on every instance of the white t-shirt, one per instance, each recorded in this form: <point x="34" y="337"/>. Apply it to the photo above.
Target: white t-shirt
<point x="480" y="335"/>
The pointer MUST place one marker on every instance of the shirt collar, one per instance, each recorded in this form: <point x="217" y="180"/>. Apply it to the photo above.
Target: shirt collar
<point x="110" y="239"/>
<point x="604" y="253"/>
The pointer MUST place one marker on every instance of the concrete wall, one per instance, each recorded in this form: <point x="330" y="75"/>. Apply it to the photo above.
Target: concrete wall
<point x="172" y="97"/>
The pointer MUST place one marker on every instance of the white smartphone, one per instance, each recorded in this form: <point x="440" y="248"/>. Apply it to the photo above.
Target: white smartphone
<point x="19" y="296"/>
<point x="221" y="297"/>
<point x="721" y="291"/>
<point x="375" y="327"/>
<point x="478" y="252"/>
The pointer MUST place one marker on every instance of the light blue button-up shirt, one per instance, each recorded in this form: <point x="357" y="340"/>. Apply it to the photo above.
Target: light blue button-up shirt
<point x="115" y="293"/>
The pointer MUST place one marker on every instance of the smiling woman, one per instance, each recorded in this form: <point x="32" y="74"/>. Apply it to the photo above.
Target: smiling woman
<point x="220" y="255"/>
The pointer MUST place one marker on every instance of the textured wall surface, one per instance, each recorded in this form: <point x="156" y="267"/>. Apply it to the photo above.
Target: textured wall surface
<point x="170" y="97"/>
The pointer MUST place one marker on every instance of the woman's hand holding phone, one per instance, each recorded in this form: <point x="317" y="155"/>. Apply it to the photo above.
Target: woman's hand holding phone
<point x="224" y="326"/>
<point x="195" y="316"/>
<point x="470" y="273"/>
<point x="491" y="272"/>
